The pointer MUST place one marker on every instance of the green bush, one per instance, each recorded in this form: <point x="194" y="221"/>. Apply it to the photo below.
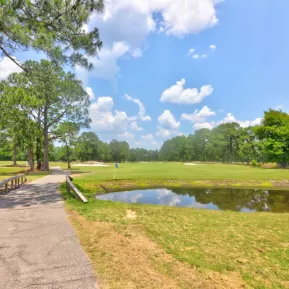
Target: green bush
<point x="254" y="163"/>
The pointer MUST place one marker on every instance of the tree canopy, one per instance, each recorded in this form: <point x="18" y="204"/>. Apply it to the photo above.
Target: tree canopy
<point x="54" y="27"/>
<point x="47" y="101"/>
<point x="275" y="135"/>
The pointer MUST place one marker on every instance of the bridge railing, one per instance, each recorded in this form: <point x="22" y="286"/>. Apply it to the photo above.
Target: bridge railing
<point x="71" y="187"/>
<point x="12" y="183"/>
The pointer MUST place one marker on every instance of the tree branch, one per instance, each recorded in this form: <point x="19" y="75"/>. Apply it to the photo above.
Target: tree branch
<point x="11" y="58"/>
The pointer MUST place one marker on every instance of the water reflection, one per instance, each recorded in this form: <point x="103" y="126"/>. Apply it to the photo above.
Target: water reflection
<point x="241" y="200"/>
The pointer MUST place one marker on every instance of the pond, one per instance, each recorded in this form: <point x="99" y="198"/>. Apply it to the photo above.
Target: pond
<point x="240" y="200"/>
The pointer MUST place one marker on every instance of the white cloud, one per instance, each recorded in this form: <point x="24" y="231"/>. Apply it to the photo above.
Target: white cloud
<point x="200" y="125"/>
<point x="213" y="47"/>
<point x="168" y="126"/>
<point x="125" y="25"/>
<point x="142" y="110"/>
<point x="132" y="21"/>
<point x="128" y="21"/>
<point x="191" y="51"/>
<point x="185" y="16"/>
<point x="7" y="67"/>
<point x="105" y="120"/>
<point x="198" y="116"/>
<point x="247" y="123"/>
<point x="134" y="126"/>
<point x="229" y="118"/>
<point x="90" y="93"/>
<point x="177" y="93"/>
<point x="114" y="124"/>
<point x="137" y="53"/>
<point x="105" y="65"/>
<point x="148" y="138"/>
<point x="168" y="121"/>
<point x="126" y="136"/>
<point x="199" y="56"/>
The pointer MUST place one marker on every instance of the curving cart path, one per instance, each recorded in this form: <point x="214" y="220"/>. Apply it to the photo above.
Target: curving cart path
<point x="38" y="247"/>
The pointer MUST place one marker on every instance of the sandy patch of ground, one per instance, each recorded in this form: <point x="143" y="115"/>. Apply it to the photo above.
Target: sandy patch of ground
<point x="91" y="165"/>
<point x="56" y="168"/>
<point x="192" y="164"/>
<point x="131" y="214"/>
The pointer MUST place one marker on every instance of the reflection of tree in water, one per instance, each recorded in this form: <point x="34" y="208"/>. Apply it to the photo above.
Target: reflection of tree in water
<point x="238" y="199"/>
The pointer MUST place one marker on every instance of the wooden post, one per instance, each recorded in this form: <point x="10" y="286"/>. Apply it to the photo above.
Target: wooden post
<point x="6" y="187"/>
<point x="67" y="187"/>
<point x="12" y="183"/>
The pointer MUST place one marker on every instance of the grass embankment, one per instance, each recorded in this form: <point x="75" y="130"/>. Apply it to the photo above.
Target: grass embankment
<point x="145" y="246"/>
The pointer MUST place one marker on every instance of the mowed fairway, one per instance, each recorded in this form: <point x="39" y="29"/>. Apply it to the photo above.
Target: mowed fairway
<point x="175" y="174"/>
<point x="179" y="171"/>
<point x="150" y="246"/>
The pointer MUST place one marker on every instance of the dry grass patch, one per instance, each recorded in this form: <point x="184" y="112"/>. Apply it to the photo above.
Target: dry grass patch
<point x="124" y="257"/>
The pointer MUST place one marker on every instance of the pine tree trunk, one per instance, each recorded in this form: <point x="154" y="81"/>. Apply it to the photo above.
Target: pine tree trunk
<point x="31" y="158"/>
<point x="46" y="143"/>
<point x="68" y="156"/>
<point x="14" y="155"/>
<point x="38" y="153"/>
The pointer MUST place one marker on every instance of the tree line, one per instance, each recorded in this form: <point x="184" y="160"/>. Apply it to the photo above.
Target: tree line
<point x="226" y="143"/>
<point x="229" y="142"/>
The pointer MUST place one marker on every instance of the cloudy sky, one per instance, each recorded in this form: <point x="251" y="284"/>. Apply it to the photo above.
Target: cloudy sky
<point x="170" y="67"/>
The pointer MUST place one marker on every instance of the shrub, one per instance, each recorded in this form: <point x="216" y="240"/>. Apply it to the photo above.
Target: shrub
<point x="254" y="163"/>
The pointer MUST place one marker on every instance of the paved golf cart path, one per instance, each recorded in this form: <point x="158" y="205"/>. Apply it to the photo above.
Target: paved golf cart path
<point x="38" y="246"/>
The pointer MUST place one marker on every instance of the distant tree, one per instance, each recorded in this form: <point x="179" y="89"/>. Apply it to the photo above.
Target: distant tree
<point x="87" y="147"/>
<point x="104" y="152"/>
<point x="248" y="149"/>
<point x="227" y="138"/>
<point x="119" y="151"/>
<point x="202" y="137"/>
<point x="174" y="149"/>
<point x="55" y="27"/>
<point x="68" y="132"/>
<point x="274" y="132"/>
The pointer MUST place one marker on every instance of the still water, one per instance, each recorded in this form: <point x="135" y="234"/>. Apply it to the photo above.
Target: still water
<point x="240" y="200"/>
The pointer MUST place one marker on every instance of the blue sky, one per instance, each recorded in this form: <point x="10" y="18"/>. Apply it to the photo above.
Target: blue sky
<point x="146" y="51"/>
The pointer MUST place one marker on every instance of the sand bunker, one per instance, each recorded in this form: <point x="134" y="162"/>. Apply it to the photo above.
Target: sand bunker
<point x="192" y="164"/>
<point x="91" y="165"/>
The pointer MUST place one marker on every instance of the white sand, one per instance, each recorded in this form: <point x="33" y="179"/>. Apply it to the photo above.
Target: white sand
<point x="90" y="165"/>
<point x="192" y="164"/>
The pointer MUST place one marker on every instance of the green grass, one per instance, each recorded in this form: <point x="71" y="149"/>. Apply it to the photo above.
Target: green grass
<point x="11" y="170"/>
<point x="7" y="171"/>
<point x="178" y="171"/>
<point x="10" y="163"/>
<point x="180" y="247"/>
<point x="131" y="175"/>
<point x="254" y="247"/>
